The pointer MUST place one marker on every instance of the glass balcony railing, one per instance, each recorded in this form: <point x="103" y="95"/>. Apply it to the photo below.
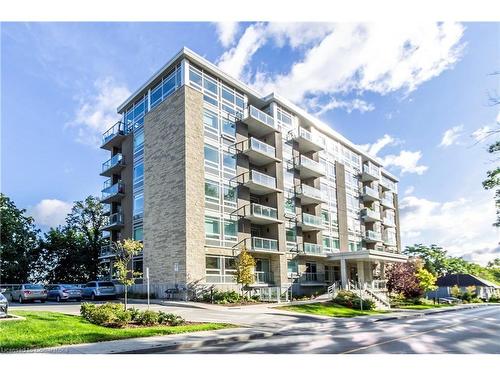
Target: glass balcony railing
<point x="262" y="147"/>
<point x="389" y="221"/>
<point x="263" y="211"/>
<point x="371" y="170"/>
<point x="311" y="164"/>
<point x="373" y="236"/>
<point x="310" y="191"/>
<point x="312" y="248"/>
<point x="262" y="277"/>
<point x="111" y="190"/>
<point x="367" y="213"/>
<point x="312" y="220"/>
<point x="389" y="240"/>
<point x="387" y="200"/>
<point x="311" y="277"/>
<point x="306" y="134"/>
<point x="114" y="219"/>
<point x="262" y="179"/>
<point x="115" y="130"/>
<point x="264" y="244"/>
<point x="371" y="192"/>
<point x="113" y="162"/>
<point x="106" y="250"/>
<point x="261" y="116"/>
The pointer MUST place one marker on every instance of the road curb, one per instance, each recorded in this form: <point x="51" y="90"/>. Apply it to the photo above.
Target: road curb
<point x="420" y="314"/>
<point x="198" y="343"/>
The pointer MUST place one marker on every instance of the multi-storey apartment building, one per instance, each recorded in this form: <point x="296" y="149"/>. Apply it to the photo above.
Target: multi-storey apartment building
<point x="202" y="165"/>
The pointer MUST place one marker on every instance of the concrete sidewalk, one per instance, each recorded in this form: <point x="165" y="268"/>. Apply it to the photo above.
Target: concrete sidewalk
<point x="152" y="343"/>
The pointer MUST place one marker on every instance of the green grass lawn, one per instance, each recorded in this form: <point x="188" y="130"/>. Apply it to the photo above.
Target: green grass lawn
<point x="329" y="309"/>
<point x="43" y="329"/>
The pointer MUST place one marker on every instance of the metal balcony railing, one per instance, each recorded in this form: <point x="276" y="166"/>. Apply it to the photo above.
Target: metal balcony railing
<point x="116" y="130"/>
<point x="264" y="211"/>
<point x="113" y="162"/>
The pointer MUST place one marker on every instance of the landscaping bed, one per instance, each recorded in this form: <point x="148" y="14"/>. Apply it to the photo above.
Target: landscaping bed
<point x="329" y="309"/>
<point x="45" y="329"/>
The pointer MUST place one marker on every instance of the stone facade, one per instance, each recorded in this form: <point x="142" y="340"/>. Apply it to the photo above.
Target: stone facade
<point x="341" y="206"/>
<point x="173" y="190"/>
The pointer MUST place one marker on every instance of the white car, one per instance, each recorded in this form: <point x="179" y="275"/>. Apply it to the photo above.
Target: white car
<point x="4" y="306"/>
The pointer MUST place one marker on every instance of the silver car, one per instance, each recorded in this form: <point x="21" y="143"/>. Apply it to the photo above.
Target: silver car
<point x="64" y="292"/>
<point x="4" y="306"/>
<point x="28" y="292"/>
<point x="99" y="289"/>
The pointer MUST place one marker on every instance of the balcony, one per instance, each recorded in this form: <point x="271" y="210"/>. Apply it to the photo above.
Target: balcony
<point x="307" y="141"/>
<point x="260" y="153"/>
<point x="386" y="184"/>
<point x="387" y="201"/>
<point x="370" y="194"/>
<point x="106" y="251"/>
<point x="312" y="278"/>
<point x="370" y="172"/>
<point x="369" y="215"/>
<point x="113" y="165"/>
<point x="259" y="123"/>
<point x="114" y="136"/>
<point x="389" y="222"/>
<point x="260" y="214"/>
<point x="372" y="236"/>
<point x="312" y="249"/>
<point x="308" y="194"/>
<point x="264" y="244"/>
<point x="259" y="183"/>
<point x="309" y="168"/>
<point x="310" y="222"/>
<point x="106" y="209"/>
<point x="112" y="193"/>
<point x="389" y="241"/>
<point x="114" y="222"/>
<point x="262" y="277"/>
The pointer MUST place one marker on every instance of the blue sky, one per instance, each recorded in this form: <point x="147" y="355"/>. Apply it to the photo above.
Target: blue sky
<point x="416" y="95"/>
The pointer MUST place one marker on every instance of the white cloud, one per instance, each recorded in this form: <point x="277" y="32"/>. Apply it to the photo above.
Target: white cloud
<point x="374" y="148"/>
<point x="451" y="136"/>
<point x="463" y="226"/>
<point x="50" y="212"/>
<point x="97" y="111"/>
<point x="234" y="60"/>
<point x="227" y="32"/>
<point x="406" y="161"/>
<point x="377" y="57"/>
<point x="349" y="106"/>
<point x="409" y="190"/>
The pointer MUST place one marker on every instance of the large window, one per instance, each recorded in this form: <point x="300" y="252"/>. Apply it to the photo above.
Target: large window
<point x="138" y="205"/>
<point x="211" y="120"/>
<point x="138" y="233"/>
<point x="228" y="127"/>
<point x="229" y="196"/>
<point x="212" y="227"/>
<point x="229" y="161"/>
<point x="211" y="191"/>
<point x="230" y="230"/>
<point x="138" y="173"/>
<point x="220" y="269"/>
<point x="211" y="155"/>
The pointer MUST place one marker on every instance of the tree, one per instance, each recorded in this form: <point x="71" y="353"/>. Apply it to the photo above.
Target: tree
<point x="18" y="243"/>
<point x="70" y="253"/>
<point x="245" y="265"/>
<point x="125" y="252"/>
<point x="433" y="257"/>
<point x="455" y="291"/>
<point x="426" y="280"/>
<point x="402" y="278"/>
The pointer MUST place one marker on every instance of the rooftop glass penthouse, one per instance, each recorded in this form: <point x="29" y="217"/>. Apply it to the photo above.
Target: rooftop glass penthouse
<point x="201" y="165"/>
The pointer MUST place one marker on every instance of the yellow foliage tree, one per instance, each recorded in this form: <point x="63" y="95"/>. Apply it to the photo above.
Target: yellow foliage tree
<point x="245" y="265"/>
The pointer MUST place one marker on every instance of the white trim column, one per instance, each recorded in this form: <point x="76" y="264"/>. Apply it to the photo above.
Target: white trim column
<point x="343" y="273"/>
<point x="361" y="272"/>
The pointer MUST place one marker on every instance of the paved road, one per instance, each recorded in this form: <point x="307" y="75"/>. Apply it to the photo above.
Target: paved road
<point x="466" y="331"/>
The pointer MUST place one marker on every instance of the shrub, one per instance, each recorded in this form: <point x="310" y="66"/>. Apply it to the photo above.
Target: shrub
<point x="134" y="313"/>
<point x="220" y="297"/>
<point x="148" y="318"/>
<point x="494" y="299"/>
<point x="350" y="299"/>
<point x="476" y="300"/>
<point x="170" y="319"/>
<point x="107" y="315"/>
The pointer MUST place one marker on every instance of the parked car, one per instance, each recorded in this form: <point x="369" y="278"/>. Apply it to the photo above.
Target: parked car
<point x="99" y="289"/>
<point x="4" y="306"/>
<point x="64" y="292"/>
<point x="28" y="292"/>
